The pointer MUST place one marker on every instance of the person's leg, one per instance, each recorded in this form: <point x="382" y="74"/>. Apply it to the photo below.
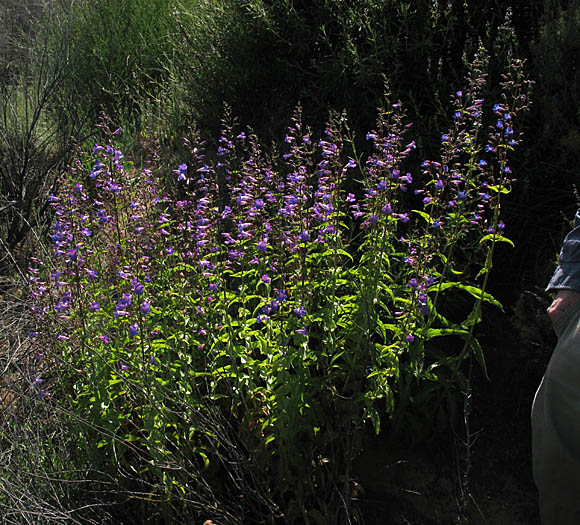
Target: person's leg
<point x="556" y="427"/>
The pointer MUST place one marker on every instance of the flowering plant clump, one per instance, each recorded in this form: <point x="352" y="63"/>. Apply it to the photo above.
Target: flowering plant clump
<point x="261" y="289"/>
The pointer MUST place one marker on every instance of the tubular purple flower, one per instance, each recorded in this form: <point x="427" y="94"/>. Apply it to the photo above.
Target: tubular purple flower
<point x="138" y="288"/>
<point x="304" y="236"/>
<point x="300" y="312"/>
<point x="387" y="209"/>
<point x="94" y="307"/>
<point x="145" y="307"/>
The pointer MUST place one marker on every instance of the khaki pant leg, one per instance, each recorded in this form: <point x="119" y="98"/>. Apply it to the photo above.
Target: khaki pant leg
<point x="556" y="427"/>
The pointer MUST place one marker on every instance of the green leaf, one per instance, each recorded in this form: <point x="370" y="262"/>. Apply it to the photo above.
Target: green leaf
<point x="497" y="238"/>
<point x="425" y="216"/>
<point x="375" y="419"/>
<point x="203" y="456"/>
<point x="479" y="356"/>
<point x="498" y="189"/>
<point x="476" y="292"/>
<point x="431" y="333"/>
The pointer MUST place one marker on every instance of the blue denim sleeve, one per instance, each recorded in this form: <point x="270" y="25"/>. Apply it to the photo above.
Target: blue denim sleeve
<point x="567" y="275"/>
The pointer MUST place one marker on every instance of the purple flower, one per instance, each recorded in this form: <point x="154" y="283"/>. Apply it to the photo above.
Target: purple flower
<point x="304" y="236"/>
<point x="265" y="278"/>
<point x="94" y="307"/>
<point x="300" y="311"/>
<point x="138" y="288"/>
<point x="123" y="275"/>
<point x="181" y="172"/>
<point x="410" y="338"/>
<point x="302" y="331"/>
<point x="43" y="394"/>
<point x="123" y="366"/>
<point x="133" y="330"/>
<point x="387" y="209"/>
<point x="145" y="307"/>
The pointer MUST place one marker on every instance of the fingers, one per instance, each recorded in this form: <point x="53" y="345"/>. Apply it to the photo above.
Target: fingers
<point x="563" y="300"/>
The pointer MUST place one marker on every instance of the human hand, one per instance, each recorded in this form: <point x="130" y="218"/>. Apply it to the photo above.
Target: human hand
<point x="562" y="301"/>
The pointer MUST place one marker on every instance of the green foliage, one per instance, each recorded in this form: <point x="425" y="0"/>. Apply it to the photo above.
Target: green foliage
<point x="220" y="346"/>
<point x="116" y="54"/>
